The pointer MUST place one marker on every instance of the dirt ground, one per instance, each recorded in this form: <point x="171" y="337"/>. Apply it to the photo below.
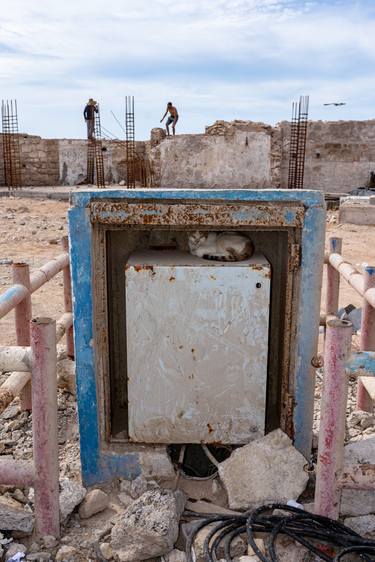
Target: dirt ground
<point x="30" y="230"/>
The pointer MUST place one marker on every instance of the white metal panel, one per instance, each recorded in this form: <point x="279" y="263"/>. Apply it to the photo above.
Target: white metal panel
<point x="197" y="344"/>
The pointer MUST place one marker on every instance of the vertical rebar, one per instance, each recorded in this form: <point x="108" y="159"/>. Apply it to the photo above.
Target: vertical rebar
<point x="45" y="447"/>
<point x="11" y="146"/>
<point x="21" y="276"/>
<point x="333" y="279"/>
<point x="130" y="141"/>
<point x="68" y="299"/>
<point x="297" y="146"/>
<point x="98" y="150"/>
<point x="332" y="418"/>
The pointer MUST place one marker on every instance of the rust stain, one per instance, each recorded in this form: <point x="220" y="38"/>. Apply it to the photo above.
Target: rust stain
<point x="172" y="278"/>
<point x="6" y="397"/>
<point x="139" y="268"/>
<point x="210" y="429"/>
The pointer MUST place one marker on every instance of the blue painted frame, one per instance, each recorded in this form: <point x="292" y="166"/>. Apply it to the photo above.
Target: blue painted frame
<point x="98" y="462"/>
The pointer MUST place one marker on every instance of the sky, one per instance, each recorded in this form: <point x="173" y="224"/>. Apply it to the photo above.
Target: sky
<point x="214" y="59"/>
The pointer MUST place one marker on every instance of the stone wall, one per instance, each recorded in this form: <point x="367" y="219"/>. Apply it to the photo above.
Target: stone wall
<point x="240" y="154"/>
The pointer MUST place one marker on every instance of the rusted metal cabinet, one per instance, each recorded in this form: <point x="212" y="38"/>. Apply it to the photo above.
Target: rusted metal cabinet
<point x="197" y="348"/>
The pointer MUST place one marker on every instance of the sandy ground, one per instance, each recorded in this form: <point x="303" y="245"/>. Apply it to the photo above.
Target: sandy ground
<point x="30" y="231"/>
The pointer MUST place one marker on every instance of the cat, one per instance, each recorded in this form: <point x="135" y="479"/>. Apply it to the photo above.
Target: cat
<point x="220" y="246"/>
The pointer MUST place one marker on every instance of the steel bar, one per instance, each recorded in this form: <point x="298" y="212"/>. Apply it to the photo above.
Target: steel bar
<point x="21" y="276"/>
<point x="68" y="306"/>
<point x="47" y="271"/>
<point x="333" y="279"/>
<point x="15" y="358"/>
<point x="11" y="297"/>
<point x="130" y="141"/>
<point x="16" y="473"/>
<point x="45" y="447"/>
<point x="12" y="388"/>
<point x="11" y="146"/>
<point x="297" y="146"/>
<point x="98" y="150"/>
<point x="367" y="340"/>
<point x="332" y="420"/>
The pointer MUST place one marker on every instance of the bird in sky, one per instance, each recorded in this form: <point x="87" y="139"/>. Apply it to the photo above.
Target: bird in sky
<point x="336" y="103"/>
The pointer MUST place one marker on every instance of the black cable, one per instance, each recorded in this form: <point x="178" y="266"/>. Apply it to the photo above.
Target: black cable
<point x="317" y="534"/>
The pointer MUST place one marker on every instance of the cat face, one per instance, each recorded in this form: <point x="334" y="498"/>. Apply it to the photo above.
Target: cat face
<point x="196" y="238"/>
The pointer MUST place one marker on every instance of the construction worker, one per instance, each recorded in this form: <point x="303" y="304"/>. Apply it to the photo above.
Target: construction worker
<point x="172" y="119"/>
<point x="89" y="116"/>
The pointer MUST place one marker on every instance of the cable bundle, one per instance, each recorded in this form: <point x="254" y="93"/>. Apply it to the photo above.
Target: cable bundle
<point x="319" y="535"/>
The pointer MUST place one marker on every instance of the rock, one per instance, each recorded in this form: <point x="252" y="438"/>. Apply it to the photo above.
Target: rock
<point x="149" y="527"/>
<point x="289" y="551"/>
<point x="49" y="541"/>
<point x="71" y="495"/>
<point x="157" y="135"/>
<point x="39" y="557"/>
<point x="66" y="375"/>
<point x="106" y="550"/>
<point x="175" y="556"/>
<point x="267" y="470"/>
<point x="125" y="499"/>
<point x="156" y="465"/>
<point x="211" y="490"/>
<point x="358" y="502"/>
<point x="364" y="525"/>
<point x="11" y="412"/>
<point x="13" y="516"/>
<point x="13" y="549"/>
<point x="66" y="554"/>
<point x="122" y="182"/>
<point x="138" y="487"/>
<point x="94" y="502"/>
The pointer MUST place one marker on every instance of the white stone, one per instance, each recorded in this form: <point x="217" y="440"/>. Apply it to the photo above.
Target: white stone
<point x="364" y="525"/>
<point x="71" y="495"/>
<point x="149" y="527"/>
<point x="156" y="465"/>
<point x="94" y="502"/>
<point x="106" y="550"/>
<point x="267" y="470"/>
<point x="49" y="541"/>
<point x="175" y="556"/>
<point x="66" y="375"/>
<point x="13" y="516"/>
<point x="66" y="554"/>
<point x="13" y="549"/>
<point x="358" y="502"/>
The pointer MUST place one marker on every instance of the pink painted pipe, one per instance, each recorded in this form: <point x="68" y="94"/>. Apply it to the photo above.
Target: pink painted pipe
<point x="16" y="473"/>
<point x="332" y="418"/>
<point x="45" y="447"/>
<point x="68" y="299"/>
<point x="333" y="279"/>
<point x="21" y="276"/>
<point x="367" y="342"/>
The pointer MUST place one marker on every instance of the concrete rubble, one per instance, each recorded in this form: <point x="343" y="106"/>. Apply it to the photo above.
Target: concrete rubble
<point x="358" y="502"/>
<point x="14" y="516"/>
<point x="94" y="502"/>
<point x="267" y="470"/>
<point x="71" y="495"/>
<point x="149" y="527"/>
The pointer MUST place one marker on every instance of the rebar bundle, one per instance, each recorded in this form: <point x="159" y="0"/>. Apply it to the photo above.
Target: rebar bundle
<point x="11" y="144"/>
<point x="297" y="148"/>
<point x="95" y="163"/>
<point x="130" y="141"/>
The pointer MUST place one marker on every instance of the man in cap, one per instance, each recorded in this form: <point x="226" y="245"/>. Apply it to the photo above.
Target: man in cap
<point x="89" y="116"/>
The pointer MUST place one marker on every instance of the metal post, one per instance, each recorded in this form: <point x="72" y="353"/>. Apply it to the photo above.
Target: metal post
<point x="332" y="417"/>
<point x="68" y="299"/>
<point x="21" y="276"/>
<point x="45" y="447"/>
<point x="333" y="279"/>
<point x="367" y="342"/>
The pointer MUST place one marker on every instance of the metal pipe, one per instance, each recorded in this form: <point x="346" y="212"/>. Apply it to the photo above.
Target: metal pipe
<point x="367" y="341"/>
<point x="364" y="401"/>
<point x="333" y="279"/>
<point x="12" y="387"/>
<point x="21" y="276"/>
<point x="348" y="271"/>
<point x="15" y="358"/>
<point x="63" y="324"/>
<point x="68" y="299"/>
<point x="16" y="473"/>
<point x="45" y="448"/>
<point x="47" y="271"/>
<point x="11" y="297"/>
<point x="332" y="418"/>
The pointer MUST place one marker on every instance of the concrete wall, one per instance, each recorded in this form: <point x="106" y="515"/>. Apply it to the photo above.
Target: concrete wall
<point x="240" y="154"/>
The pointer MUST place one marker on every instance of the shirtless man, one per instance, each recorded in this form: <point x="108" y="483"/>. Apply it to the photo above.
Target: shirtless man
<point x="172" y="119"/>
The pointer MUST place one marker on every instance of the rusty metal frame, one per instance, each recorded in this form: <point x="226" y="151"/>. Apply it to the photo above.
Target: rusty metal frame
<point x="102" y="459"/>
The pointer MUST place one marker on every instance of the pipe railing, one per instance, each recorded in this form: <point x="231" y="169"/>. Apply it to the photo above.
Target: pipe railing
<point x="18" y="297"/>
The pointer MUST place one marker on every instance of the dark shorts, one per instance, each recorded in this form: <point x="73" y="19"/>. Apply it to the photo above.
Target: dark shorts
<point x="171" y="120"/>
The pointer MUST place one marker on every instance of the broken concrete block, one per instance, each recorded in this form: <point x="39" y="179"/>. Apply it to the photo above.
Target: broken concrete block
<point x="13" y="549"/>
<point x="13" y="516"/>
<point x="175" y="556"/>
<point x="364" y="525"/>
<point x="66" y="554"/>
<point x="156" y="465"/>
<point x="66" y="375"/>
<point x="106" y="551"/>
<point x="94" y="502"/>
<point x="149" y="527"/>
<point x="71" y="495"/>
<point x="358" y="502"/>
<point x="267" y="470"/>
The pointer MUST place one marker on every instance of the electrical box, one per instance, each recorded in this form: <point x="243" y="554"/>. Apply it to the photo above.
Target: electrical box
<point x="197" y="346"/>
